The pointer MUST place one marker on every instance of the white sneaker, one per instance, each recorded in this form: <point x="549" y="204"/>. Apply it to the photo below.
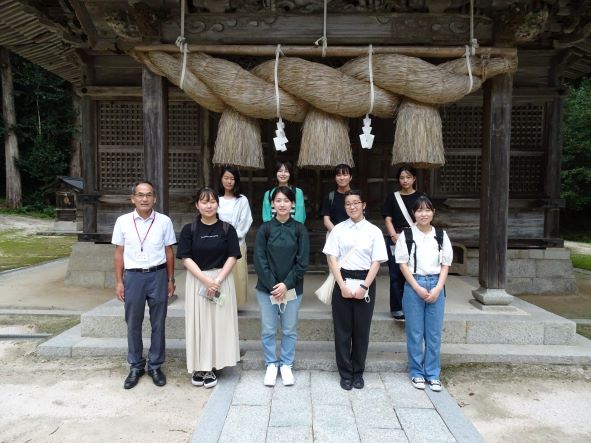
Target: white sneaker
<point x="270" y="375"/>
<point x="435" y="385"/>
<point x="418" y="382"/>
<point x="287" y="375"/>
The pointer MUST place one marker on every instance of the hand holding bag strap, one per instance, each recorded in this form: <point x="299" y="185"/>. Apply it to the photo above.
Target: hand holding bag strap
<point x="403" y="209"/>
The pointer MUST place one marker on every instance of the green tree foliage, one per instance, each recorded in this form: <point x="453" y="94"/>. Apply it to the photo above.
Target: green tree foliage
<point x="45" y="123"/>
<point x="576" y="156"/>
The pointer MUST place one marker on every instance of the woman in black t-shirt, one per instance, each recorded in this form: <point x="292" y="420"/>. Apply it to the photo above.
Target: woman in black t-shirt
<point x="209" y="249"/>
<point x="395" y="220"/>
<point x="333" y="208"/>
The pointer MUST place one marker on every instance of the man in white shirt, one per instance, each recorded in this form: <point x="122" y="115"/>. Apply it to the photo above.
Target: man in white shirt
<point x="144" y="272"/>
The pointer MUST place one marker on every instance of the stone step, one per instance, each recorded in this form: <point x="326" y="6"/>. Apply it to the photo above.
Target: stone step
<point x="532" y="327"/>
<point x="319" y="355"/>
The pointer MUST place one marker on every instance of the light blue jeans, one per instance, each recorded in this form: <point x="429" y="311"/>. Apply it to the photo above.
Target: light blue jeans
<point x="424" y="322"/>
<point x="270" y="316"/>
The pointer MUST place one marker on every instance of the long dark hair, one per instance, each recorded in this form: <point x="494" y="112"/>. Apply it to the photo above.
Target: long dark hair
<point x="289" y="166"/>
<point x="237" y="190"/>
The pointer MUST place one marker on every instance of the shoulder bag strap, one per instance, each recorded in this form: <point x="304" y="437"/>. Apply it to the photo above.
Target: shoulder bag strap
<point x="403" y="209"/>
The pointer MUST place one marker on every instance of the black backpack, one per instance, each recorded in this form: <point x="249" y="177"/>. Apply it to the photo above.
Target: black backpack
<point x="410" y="241"/>
<point x="225" y="226"/>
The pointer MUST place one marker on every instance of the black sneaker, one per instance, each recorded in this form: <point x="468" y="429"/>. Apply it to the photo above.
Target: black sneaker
<point x="209" y="379"/>
<point x="197" y="379"/>
<point x="399" y="317"/>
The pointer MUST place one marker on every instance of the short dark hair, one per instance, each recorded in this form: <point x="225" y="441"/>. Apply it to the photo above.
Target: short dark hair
<point x="285" y="190"/>
<point x="142" y="182"/>
<point x="406" y="168"/>
<point x="342" y="168"/>
<point x="422" y="202"/>
<point x="356" y="192"/>
<point x="237" y="190"/>
<point x="206" y="193"/>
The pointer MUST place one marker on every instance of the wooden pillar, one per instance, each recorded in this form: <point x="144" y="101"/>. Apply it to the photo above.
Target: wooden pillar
<point x="89" y="199"/>
<point x="553" y="166"/>
<point x="494" y="192"/>
<point x="155" y="106"/>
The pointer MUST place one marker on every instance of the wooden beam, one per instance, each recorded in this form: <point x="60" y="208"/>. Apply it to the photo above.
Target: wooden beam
<point x="85" y="21"/>
<point x="333" y="51"/>
<point x="494" y="192"/>
<point x="553" y="166"/>
<point x="89" y="154"/>
<point x="155" y="106"/>
<point x="117" y="92"/>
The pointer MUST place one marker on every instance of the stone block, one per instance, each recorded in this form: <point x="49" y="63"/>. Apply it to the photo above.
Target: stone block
<point x="383" y="329"/>
<point x="334" y="423"/>
<point x="562" y="333"/>
<point x="251" y="391"/>
<point x="86" y="256"/>
<point x="472" y="267"/>
<point x="536" y="253"/>
<point x="521" y="268"/>
<point x="402" y="393"/>
<point x="85" y="279"/>
<point x="325" y="389"/>
<point x="552" y="285"/>
<point x="372" y="435"/>
<point x="473" y="253"/>
<point x="557" y="254"/>
<point x="292" y="434"/>
<point x="454" y="331"/>
<point x="234" y="427"/>
<point x="300" y="415"/>
<point x="554" y="268"/>
<point x="520" y="285"/>
<point x="424" y="425"/>
<point x="373" y="409"/>
<point x="519" y="332"/>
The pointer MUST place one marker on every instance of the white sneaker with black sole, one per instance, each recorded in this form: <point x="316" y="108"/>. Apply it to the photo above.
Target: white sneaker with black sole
<point x="209" y="379"/>
<point x="197" y="379"/>
<point x="435" y="385"/>
<point x="418" y="382"/>
<point x="270" y="375"/>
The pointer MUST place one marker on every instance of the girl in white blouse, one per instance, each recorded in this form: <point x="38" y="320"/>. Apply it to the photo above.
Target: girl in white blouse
<point x="425" y="267"/>
<point x="354" y="248"/>
<point x="234" y="209"/>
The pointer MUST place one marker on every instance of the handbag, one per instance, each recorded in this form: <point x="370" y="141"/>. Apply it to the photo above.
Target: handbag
<point x="324" y="292"/>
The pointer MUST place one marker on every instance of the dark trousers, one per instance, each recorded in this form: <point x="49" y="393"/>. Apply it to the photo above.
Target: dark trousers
<point x="352" y="322"/>
<point x="151" y="287"/>
<point x="396" y="279"/>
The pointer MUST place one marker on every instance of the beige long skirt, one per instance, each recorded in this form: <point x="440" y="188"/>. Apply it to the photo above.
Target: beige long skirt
<point x="240" y="272"/>
<point x="211" y="329"/>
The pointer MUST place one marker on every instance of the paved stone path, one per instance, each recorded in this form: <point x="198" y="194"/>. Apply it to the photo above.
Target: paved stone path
<point x="316" y="409"/>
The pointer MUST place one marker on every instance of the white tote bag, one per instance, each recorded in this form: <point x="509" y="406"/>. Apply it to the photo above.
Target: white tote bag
<point x="324" y="292"/>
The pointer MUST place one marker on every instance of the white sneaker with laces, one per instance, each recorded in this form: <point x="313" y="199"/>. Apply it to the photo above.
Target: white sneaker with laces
<point x="435" y="385"/>
<point x="418" y="382"/>
<point x="270" y="375"/>
<point x="287" y="375"/>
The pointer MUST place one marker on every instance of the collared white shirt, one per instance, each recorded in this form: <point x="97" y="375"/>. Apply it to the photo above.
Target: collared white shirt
<point x="427" y="249"/>
<point x="161" y="234"/>
<point x="366" y="238"/>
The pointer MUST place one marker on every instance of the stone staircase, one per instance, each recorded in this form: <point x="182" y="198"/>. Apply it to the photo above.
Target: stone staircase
<point x="524" y="334"/>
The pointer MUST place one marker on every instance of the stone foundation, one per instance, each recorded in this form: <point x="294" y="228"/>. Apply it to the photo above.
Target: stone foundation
<point x="533" y="271"/>
<point x="529" y="271"/>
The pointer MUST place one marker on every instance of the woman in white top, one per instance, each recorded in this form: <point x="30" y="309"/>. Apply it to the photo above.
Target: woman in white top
<point x="354" y="248"/>
<point x="234" y="209"/>
<point x="425" y="255"/>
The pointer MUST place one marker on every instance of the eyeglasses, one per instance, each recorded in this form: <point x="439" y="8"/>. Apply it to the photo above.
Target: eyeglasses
<point x="142" y="195"/>
<point x="353" y="204"/>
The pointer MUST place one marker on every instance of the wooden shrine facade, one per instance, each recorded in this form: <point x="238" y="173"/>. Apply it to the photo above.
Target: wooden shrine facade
<point x="500" y="185"/>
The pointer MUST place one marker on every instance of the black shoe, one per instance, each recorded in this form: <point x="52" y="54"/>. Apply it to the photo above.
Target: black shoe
<point x="346" y="384"/>
<point x="158" y="376"/>
<point x="399" y="317"/>
<point x="133" y="378"/>
<point x="358" y="382"/>
<point x="209" y="379"/>
<point x="197" y="379"/>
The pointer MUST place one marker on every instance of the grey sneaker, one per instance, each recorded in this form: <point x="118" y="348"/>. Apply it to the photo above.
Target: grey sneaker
<point x="209" y="379"/>
<point x="435" y="385"/>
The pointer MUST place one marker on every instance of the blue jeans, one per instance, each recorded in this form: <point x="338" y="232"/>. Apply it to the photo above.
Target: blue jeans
<point x="270" y="315"/>
<point x="424" y="322"/>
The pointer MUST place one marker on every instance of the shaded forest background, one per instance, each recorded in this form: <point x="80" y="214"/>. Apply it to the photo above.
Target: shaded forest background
<point x="46" y="123"/>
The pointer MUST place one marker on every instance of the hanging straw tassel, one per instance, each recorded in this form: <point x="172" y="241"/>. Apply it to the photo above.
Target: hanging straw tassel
<point x="325" y="141"/>
<point x="418" y="139"/>
<point x="238" y="142"/>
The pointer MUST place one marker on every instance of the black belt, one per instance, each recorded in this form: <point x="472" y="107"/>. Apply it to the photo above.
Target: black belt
<point x="150" y="269"/>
